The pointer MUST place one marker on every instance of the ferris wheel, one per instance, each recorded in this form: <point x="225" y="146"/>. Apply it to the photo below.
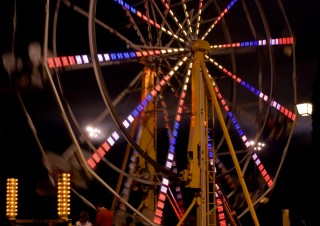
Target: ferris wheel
<point x="186" y="93"/>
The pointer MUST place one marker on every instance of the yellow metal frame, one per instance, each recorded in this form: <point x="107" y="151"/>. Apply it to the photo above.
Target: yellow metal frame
<point x="198" y="172"/>
<point x="202" y="91"/>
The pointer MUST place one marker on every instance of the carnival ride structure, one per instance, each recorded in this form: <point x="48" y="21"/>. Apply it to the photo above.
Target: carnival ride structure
<point x="183" y="87"/>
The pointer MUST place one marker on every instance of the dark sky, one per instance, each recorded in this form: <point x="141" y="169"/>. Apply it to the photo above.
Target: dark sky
<point x="21" y="157"/>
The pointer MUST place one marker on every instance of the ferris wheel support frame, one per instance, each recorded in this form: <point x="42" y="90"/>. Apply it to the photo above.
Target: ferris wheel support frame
<point x="200" y="47"/>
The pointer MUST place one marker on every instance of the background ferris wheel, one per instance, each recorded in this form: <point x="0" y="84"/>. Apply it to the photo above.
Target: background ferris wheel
<point x="159" y="41"/>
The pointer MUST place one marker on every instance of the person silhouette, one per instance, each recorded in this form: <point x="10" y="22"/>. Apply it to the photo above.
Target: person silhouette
<point x="104" y="217"/>
<point x="84" y="219"/>
<point x="129" y="221"/>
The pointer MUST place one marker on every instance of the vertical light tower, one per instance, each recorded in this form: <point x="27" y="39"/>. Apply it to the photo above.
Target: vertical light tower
<point x="64" y="196"/>
<point x="12" y="198"/>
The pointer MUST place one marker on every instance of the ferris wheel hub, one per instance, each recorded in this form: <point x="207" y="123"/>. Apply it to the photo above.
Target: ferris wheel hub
<point x="200" y="45"/>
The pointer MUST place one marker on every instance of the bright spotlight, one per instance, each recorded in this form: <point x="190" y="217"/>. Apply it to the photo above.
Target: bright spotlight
<point x="257" y="147"/>
<point x="93" y="132"/>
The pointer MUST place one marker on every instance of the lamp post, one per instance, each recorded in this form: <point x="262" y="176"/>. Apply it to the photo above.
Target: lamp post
<point x="304" y="109"/>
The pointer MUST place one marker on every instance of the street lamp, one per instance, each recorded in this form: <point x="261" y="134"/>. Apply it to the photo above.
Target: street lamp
<point x="304" y="109"/>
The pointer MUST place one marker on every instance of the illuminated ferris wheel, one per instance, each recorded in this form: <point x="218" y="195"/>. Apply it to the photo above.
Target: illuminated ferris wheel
<point x="194" y="89"/>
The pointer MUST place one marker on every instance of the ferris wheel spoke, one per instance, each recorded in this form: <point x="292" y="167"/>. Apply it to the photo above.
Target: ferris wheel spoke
<point x="187" y="15"/>
<point x="254" y="43"/>
<point x="110" y="141"/>
<point x="165" y="21"/>
<point x="198" y="18"/>
<point x="107" y="59"/>
<point x="150" y="21"/>
<point x="102" y="24"/>
<point x="245" y="140"/>
<point x="135" y="26"/>
<point x="171" y="150"/>
<point x="216" y="21"/>
<point x="289" y="114"/>
<point x="176" y="20"/>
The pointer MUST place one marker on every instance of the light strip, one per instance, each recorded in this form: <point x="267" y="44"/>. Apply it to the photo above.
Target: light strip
<point x="171" y="151"/>
<point x="96" y="157"/>
<point x="187" y="16"/>
<point x="178" y="190"/>
<point x="199" y="17"/>
<point x="262" y="42"/>
<point x="145" y="18"/>
<point x="226" y="10"/>
<point x="244" y="139"/>
<point x="255" y="91"/>
<point x="219" y="205"/>
<point x="174" y="17"/>
<point x="67" y="61"/>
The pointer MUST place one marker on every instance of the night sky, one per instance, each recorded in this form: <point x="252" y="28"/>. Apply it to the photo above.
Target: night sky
<point x="21" y="158"/>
